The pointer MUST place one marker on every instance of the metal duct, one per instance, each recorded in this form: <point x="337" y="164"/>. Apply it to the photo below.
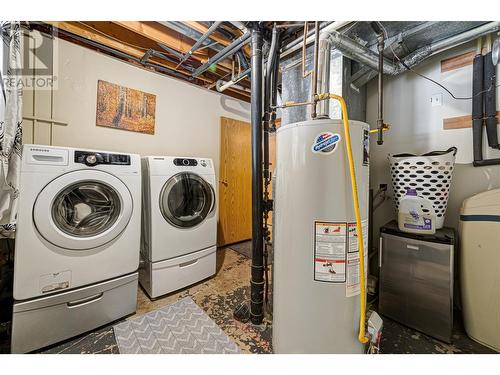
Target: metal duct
<point x="331" y="38"/>
<point x="416" y="57"/>
<point x="323" y="78"/>
<point x="357" y="52"/>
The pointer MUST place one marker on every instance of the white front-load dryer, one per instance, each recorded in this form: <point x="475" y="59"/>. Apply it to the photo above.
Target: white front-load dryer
<point x="77" y="243"/>
<point x="179" y="223"/>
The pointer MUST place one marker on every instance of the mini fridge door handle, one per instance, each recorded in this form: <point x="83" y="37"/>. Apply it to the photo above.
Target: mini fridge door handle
<point x="381" y="241"/>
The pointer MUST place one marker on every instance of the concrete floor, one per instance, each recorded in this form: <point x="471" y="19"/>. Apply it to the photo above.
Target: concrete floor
<point x="219" y="296"/>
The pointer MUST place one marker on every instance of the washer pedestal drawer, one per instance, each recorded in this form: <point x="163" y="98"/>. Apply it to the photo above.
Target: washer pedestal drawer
<point x="47" y="320"/>
<point x="166" y="276"/>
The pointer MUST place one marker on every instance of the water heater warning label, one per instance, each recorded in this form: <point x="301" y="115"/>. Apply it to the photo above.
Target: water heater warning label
<point x="330" y="250"/>
<point x="352" y="266"/>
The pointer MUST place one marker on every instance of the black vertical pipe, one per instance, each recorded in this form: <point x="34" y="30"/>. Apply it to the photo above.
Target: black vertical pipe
<point x="477" y="107"/>
<point x="257" y="273"/>
<point x="490" y="100"/>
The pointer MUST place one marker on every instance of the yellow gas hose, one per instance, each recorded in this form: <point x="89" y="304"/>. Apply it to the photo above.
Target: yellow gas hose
<point x="362" y="297"/>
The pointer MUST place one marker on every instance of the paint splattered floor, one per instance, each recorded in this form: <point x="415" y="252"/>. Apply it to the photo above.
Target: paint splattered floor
<point x="219" y="296"/>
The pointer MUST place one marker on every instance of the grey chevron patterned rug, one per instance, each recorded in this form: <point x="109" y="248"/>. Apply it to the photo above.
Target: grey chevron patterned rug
<point x="180" y="328"/>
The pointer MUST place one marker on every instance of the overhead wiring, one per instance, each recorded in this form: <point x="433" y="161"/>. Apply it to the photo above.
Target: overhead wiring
<point x="491" y="87"/>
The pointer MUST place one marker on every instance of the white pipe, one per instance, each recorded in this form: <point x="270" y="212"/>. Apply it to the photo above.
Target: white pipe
<point x="222" y="85"/>
<point x="294" y="46"/>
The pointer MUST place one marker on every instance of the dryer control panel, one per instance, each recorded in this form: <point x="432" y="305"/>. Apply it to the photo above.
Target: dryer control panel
<point x="91" y="159"/>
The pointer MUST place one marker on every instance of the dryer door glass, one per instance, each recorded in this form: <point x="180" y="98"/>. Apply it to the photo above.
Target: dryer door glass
<point x="186" y="200"/>
<point x="86" y="208"/>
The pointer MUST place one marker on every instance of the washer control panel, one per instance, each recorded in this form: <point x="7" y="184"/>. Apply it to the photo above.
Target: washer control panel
<point x="91" y="159"/>
<point x="185" y="162"/>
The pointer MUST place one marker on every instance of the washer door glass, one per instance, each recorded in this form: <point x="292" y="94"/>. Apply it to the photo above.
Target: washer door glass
<point x="186" y="200"/>
<point x="83" y="209"/>
<point x="86" y="208"/>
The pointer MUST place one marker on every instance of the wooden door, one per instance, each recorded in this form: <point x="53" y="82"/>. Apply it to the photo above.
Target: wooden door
<point x="235" y="182"/>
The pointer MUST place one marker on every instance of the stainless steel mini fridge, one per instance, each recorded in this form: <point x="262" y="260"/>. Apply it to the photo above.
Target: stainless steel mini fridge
<point x="416" y="279"/>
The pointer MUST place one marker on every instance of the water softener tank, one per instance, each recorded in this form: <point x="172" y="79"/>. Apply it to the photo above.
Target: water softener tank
<point x="316" y="262"/>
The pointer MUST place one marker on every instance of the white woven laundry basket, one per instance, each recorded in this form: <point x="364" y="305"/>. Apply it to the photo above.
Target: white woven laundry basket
<point x="429" y="174"/>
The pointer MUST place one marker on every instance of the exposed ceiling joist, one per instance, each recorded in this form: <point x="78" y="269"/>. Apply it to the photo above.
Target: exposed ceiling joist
<point x="83" y="31"/>
<point x="161" y="34"/>
<point x="201" y="28"/>
<point x="136" y="38"/>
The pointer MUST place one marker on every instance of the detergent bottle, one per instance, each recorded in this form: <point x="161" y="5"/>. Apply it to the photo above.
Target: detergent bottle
<point x="416" y="214"/>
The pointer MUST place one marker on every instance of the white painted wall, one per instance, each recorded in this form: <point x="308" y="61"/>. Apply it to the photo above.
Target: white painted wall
<point x="187" y="116"/>
<point x="417" y="127"/>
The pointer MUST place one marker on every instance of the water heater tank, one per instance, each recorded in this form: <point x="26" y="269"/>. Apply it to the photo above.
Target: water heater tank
<point x="316" y="262"/>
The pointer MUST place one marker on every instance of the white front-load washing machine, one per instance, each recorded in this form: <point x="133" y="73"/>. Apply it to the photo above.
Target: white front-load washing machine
<point x="77" y="243"/>
<point x="179" y="223"/>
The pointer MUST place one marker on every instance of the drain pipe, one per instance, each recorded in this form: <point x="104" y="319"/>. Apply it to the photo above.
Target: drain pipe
<point x="200" y="41"/>
<point x="257" y="273"/>
<point x="151" y="52"/>
<point x="241" y="56"/>
<point x="227" y="51"/>
<point x="222" y="85"/>
<point x="269" y="119"/>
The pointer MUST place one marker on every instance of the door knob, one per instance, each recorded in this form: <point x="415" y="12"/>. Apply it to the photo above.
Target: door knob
<point x="223" y="182"/>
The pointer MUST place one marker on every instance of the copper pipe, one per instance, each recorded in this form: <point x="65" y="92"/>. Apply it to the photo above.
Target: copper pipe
<point x="293" y="104"/>
<point x="304" y="73"/>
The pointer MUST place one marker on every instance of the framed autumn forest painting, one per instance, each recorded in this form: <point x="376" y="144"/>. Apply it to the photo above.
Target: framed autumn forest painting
<point x="124" y="108"/>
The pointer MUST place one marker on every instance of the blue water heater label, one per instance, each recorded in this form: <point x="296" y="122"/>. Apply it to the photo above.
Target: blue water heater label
<point x="325" y="143"/>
